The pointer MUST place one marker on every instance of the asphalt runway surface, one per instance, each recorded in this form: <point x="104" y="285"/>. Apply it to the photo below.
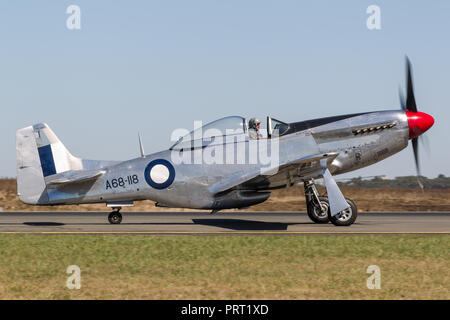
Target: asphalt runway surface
<point x="188" y="223"/>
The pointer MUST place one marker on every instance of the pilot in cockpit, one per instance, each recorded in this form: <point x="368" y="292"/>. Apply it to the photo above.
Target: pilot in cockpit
<point x="253" y="129"/>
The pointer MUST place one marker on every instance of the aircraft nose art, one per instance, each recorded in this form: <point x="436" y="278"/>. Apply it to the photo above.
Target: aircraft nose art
<point x="418" y="123"/>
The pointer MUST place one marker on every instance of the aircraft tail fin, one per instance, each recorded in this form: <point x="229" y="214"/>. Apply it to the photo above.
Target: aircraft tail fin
<point x="39" y="154"/>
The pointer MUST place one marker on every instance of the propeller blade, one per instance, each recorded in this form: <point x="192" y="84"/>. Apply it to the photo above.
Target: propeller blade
<point x="402" y="98"/>
<point x="426" y="143"/>
<point x="410" y="99"/>
<point x="411" y="106"/>
<point x="415" y="145"/>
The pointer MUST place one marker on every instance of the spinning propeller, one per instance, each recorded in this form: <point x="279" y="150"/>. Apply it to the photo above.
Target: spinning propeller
<point x="418" y="122"/>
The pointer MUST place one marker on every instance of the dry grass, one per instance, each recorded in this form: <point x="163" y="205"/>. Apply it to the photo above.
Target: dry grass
<point x="290" y="199"/>
<point x="224" y="267"/>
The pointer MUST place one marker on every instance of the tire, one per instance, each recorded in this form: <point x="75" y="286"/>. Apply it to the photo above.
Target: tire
<point x="346" y="217"/>
<point x="115" y="218"/>
<point x="314" y="214"/>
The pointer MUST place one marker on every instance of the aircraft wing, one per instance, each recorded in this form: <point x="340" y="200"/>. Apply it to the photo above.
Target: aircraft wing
<point x="73" y="176"/>
<point x="310" y="163"/>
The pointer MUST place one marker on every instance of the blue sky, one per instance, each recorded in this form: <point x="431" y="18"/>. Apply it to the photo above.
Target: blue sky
<point x="153" y="66"/>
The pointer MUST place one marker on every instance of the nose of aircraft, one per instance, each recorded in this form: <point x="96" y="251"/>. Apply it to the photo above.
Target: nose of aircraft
<point x="418" y="123"/>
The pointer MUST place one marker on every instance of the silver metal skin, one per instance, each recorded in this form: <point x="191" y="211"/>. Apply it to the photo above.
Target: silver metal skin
<point x="47" y="174"/>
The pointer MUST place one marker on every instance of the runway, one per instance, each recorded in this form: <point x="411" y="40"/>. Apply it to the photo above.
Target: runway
<point x="203" y="223"/>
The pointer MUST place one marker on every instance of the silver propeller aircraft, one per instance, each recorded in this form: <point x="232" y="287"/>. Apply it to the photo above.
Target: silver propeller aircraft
<point x="193" y="172"/>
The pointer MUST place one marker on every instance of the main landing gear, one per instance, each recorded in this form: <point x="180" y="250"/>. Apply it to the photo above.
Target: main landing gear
<point x="115" y="217"/>
<point x="318" y="208"/>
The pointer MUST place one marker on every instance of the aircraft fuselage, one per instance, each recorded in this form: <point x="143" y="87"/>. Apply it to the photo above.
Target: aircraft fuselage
<point x="359" y="140"/>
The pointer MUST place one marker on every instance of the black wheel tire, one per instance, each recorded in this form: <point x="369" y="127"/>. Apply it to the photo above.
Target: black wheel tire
<point x="115" y="218"/>
<point x="346" y="217"/>
<point x="313" y="213"/>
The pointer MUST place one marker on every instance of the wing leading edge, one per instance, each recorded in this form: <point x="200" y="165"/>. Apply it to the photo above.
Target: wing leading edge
<point x="239" y="178"/>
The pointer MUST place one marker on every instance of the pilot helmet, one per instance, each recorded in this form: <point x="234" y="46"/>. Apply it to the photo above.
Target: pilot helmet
<point x="253" y="122"/>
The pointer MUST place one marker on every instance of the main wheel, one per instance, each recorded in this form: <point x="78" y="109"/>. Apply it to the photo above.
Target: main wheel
<point x="346" y="217"/>
<point x="317" y="215"/>
<point x="115" y="217"/>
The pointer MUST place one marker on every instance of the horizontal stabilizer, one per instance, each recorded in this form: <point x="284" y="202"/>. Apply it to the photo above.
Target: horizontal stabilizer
<point x="74" y="176"/>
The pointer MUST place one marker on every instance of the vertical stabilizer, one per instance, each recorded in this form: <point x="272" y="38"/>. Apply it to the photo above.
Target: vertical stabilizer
<point x="39" y="154"/>
<point x="30" y="180"/>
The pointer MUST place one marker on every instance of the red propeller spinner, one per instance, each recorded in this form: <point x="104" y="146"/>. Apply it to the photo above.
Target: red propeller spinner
<point x="418" y="123"/>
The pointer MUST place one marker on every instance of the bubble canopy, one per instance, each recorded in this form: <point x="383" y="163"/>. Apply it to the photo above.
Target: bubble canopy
<point x="232" y="125"/>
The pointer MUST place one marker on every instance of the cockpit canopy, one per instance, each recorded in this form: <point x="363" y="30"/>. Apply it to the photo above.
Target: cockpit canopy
<point x="234" y="126"/>
<point x="276" y="128"/>
<point x="228" y="126"/>
<point x="222" y="127"/>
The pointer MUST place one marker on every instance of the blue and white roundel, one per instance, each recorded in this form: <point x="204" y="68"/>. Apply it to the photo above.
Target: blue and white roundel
<point x="159" y="173"/>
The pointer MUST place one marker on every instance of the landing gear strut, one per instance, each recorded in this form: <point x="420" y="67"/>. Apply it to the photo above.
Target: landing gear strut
<point x="318" y="207"/>
<point x="115" y="217"/>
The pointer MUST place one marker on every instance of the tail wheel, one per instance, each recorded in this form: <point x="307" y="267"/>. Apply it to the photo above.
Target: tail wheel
<point x="346" y="217"/>
<point x="115" y="217"/>
<point x="316" y="214"/>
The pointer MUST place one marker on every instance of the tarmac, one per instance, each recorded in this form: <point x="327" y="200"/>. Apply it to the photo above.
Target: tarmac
<point x="204" y="223"/>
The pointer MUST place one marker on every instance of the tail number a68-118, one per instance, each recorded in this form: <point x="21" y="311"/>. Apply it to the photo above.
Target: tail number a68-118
<point x="122" y="182"/>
